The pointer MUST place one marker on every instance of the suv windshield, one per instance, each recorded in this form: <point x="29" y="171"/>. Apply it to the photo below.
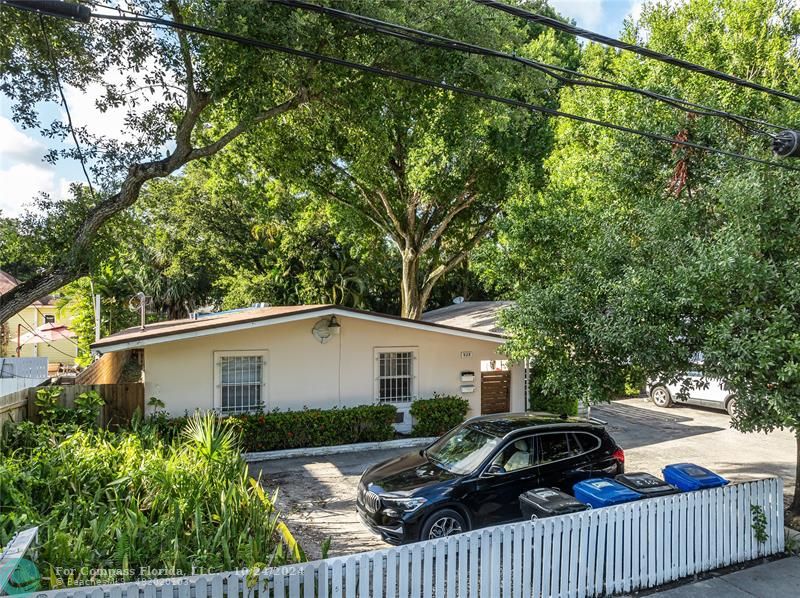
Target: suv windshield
<point x="462" y="450"/>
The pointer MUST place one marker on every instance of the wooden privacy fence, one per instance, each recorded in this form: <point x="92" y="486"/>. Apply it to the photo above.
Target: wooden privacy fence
<point x="14" y="406"/>
<point x="121" y="402"/>
<point x="598" y="552"/>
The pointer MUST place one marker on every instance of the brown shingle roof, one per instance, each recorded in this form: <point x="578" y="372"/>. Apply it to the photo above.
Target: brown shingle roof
<point x="226" y="319"/>
<point x="7" y="282"/>
<point x="204" y="322"/>
<point x="478" y="316"/>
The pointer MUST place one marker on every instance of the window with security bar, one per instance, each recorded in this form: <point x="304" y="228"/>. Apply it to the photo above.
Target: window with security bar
<point x="240" y="383"/>
<point x="395" y="375"/>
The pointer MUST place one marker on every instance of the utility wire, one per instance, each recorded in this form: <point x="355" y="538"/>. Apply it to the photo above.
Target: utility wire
<point x="616" y="43"/>
<point x="54" y="64"/>
<point x="557" y="72"/>
<point x="27" y="327"/>
<point x="430" y="83"/>
<point x="61" y="334"/>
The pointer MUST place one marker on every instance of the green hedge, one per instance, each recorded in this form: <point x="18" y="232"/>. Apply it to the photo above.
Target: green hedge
<point x="278" y="430"/>
<point x="557" y="405"/>
<point x="434" y="417"/>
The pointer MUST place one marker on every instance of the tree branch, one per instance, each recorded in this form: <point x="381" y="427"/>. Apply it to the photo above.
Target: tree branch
<point x="74" y="264"/>
<point x="395" y="222"/>
<point x="392" y="216"/>
<point x="469" y="245"/>
<point x="242" y="126"/>
<point x="465" y="200"/>
<point x="186" y="51"/>
<point x="383" y="226"/>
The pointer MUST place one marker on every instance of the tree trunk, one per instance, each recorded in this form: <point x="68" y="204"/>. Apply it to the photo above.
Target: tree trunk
<point x="412" y="305"/>
<point x="795" y="508"/>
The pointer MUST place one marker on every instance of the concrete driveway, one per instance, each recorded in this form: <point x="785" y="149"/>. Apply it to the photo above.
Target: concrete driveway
<point x="317" y="495"/>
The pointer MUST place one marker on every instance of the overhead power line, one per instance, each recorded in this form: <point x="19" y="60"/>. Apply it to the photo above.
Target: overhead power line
<point x="256" y="43"/>
<point x="54" y="65"/>
<point x="564" y="75"/>
<point x="30" y="329"/>
<point x="431" y="83"/>
<point x="642" y="51"/>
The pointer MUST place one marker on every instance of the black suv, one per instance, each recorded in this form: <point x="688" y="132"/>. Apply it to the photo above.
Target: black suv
<point x="473" y="475"/>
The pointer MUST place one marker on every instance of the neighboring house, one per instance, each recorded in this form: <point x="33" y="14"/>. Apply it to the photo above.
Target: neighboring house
<point x="323" y="356"/>
<point x="41" y="313"/>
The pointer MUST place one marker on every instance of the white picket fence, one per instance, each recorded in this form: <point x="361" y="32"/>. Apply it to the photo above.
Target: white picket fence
<point x="594" y="553"/>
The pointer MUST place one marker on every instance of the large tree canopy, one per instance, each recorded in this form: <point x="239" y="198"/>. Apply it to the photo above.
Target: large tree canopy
<point x="638" y="256"/>
<point x="174" y="88"/>
<point x="425" y="168"/>
<point x="429" y="170"/>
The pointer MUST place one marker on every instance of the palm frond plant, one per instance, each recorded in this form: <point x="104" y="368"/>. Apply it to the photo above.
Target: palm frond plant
<point x="136" y="504"/>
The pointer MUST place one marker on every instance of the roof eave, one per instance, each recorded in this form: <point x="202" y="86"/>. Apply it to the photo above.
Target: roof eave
<point x="109" y="346"/>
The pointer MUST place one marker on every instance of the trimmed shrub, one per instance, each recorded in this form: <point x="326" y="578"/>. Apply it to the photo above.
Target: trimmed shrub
<point x="303" y="429"/>
<point x="434" y="417"/>
<point x="556" y="405"/>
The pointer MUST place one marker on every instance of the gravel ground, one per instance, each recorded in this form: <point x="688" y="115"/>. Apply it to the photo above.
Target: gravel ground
<point x="317" y="495"/>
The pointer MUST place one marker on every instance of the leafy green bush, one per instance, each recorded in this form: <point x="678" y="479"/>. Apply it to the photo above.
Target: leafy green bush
<point x="434" y="417"/>
<point x="84" y="413"/>
<point x="558" y="405"/>
<point x="131" y="502"/>
<point x="301" y="429"/>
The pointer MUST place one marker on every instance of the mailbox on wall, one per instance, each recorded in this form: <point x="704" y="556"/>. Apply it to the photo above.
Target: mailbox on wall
<point x="467" y="376"/>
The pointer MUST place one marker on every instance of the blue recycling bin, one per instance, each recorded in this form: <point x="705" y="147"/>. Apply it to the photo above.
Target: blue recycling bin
<point x="689" y="477"/>
<point x="603" y="492"/>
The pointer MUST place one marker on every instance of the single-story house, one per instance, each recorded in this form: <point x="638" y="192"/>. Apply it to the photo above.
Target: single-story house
<point x="290" y="357"/>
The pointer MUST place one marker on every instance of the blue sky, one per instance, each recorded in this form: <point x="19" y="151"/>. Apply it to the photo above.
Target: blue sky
<point x="23" y="174"/>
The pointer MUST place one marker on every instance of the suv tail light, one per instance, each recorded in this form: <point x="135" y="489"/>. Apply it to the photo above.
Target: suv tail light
<point x="619" y="455"/>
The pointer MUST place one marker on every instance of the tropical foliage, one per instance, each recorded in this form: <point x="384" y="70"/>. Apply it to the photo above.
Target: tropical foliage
<point x="638" y="256"/>
<point x="128" y="505"/>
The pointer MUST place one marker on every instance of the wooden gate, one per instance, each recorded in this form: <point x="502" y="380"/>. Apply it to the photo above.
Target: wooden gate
<point x="495" y="392"/>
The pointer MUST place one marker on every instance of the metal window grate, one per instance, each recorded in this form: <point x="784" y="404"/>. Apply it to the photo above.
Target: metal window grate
<point x="396" y="376"/>
<point x="241" y="384"/>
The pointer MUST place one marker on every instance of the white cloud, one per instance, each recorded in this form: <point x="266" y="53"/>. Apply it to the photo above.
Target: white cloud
<point x="85" y="113"/>
<point x="636" y="10"/>
<point x="21" y="183"/>
<point x="111" y="123"/>
<point x="589" y="14"/>
<point x="15" y="145"/>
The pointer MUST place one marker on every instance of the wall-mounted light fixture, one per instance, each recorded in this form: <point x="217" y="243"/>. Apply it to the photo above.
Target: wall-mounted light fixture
<point x="334" y="326"/>
<point x="325" y="329"/>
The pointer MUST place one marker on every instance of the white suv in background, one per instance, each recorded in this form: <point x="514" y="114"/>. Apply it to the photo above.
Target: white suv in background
<point x="714" y="394"/>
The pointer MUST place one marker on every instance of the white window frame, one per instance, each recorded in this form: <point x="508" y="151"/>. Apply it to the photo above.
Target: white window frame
<point x="377" y="351"/>
<point x="264" y="354"/>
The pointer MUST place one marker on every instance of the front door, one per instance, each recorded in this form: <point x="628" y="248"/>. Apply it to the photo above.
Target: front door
<point x="495" y="392"/>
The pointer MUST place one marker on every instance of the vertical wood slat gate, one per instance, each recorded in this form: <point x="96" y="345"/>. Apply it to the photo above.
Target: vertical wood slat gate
<point x="495" y="392"/>
<point x="597" y="552"/>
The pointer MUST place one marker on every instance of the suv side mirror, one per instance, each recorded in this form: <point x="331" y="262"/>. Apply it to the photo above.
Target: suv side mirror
<point x="494" y="469"/>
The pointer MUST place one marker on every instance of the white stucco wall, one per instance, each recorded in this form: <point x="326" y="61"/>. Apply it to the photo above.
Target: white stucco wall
<point x="302" y="372"/>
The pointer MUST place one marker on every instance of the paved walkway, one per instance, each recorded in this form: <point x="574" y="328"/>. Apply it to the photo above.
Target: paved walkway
<point x="770" y="580"/>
